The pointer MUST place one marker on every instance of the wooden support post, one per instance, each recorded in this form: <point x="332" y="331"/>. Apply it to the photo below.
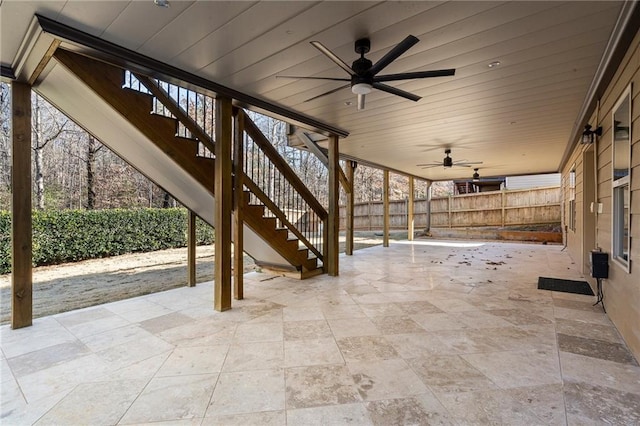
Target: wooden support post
<point x="224" y="203"/>
<point x="333" y="221"/>
<point x="449" y="203"/>
<point x="21" y="244"/>
<point x="410" y="220"/>
<point x="238" y="207"/>
<point x="191" y="250"/>
<point x="351" y="168"/>
<point x="385" y="214"/>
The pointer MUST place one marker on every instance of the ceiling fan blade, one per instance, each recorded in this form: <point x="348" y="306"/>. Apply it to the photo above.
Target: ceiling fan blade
<point x="342" y="64"/>
<point x="419" y="74"/>
<point x="313" y="78"/>
<point x="432" y="166"/>
<point x="393" y="54"/>
<point x="395" y="91"/>
<point x="465" y="162"/>
<point x="429" y="164"/>
<point x="360" y="102"/>
<point x="329" y="92"/>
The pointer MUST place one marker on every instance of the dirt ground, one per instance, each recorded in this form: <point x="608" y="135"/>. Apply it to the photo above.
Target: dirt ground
<point x="61" y="288"/>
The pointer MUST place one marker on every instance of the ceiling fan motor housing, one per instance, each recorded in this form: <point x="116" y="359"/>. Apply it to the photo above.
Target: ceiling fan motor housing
<point x="362" y="46"/>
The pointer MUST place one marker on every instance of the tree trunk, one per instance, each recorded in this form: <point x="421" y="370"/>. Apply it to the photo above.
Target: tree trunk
<point x="91" y="165"/>
<point x="166" y="202"/>
<point x="39" y="172"/>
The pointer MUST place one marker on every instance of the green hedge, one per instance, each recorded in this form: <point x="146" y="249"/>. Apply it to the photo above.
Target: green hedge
<point x="71" y="235"/>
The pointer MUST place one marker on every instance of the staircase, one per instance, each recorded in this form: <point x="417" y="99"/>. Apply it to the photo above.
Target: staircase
<point x="276" y="208"/>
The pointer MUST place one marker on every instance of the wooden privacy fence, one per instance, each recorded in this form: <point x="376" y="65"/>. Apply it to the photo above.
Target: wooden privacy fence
<point x="498" y="208"/>
<point x="369" y="216"/>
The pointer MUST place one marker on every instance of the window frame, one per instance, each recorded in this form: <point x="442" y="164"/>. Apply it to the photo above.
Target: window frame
<point x="618" y="188"/>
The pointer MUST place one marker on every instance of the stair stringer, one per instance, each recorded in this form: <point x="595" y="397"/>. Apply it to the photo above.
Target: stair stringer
<point x="71" y="95"/>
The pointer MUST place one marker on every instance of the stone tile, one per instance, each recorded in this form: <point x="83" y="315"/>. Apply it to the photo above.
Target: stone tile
<point x="488" y="408"/>
<point x="165" y="322"/>
<point x="254" y="356"/>
<point x="129" y="353"/>
<point x="300" y="330"/>
<point x="545" y="401"/>
<point x="353" y="327"/>
<point x="417" y="410"/>
<point x="580" y="368"/>
<point x="583" y="316"/>
<point x="415" y="345"/>
<point x="481" y="319"/>
<point x="306" y="313"/>
<point x="385" y="379"/>
<point x="32" y="362"/>
<point x="438" y="321"/>
<point x="452" y="305"/>
<point x="615" y="352"/>
<point x="342" y="312"/>
<point x="396" y="325"/>
<point x="194" y="360"/>
<point x="319" y="385"/>
<point x="466" y="341"/>
<point x="261" y="332"/>
<point x="311" y="352"/>
<point x="62" y="377"/>
<point x="44" y="333"/>
<point x="203" y="332"/>
<point x="588" y="330"/>
<point x="362" y="348"/>
<point x="263" y="418"/>
<point x="137" y="309"/>
<point x="142" y="370"/>
<point x="172" y="398"/>
<point x="115" y="337"/>
<point x="422" y="307"/>
<point x="518" y="368"/>
<point x="94" y="403"/>
<point x="81" y="316"/>
<point x="515" y="338"/>
<point x="382" y="310"/>
<point x="577" y="305"/>
<point x="450" y="373"/>
<point x="520" y="316"/>
<point x="332" y="415"/>
<point x="247" y="392"/>
<point x="16" y="411"/>
<point x="590" y="403"/>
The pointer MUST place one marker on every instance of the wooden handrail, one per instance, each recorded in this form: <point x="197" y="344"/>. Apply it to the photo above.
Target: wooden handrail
<point x="175" y="109"/>
<point x="255" y="190"/>
<point x="284" y="168"/>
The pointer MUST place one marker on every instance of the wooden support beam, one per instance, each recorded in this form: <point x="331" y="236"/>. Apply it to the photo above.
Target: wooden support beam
<point x="313" y="147"/>
<point x="21" y="243"/>
<point x="410" y="206"/>
<point x="191" y="249"/>
<point x="385" y="214"/>
<point x="223" y="183"/>
<point x="333" y="221"/>
<point x="238" y="207"/>
<point x="351" y="168"/>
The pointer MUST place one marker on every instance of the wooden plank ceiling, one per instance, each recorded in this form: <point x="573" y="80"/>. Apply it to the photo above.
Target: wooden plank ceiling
<point x="516" y="118"/>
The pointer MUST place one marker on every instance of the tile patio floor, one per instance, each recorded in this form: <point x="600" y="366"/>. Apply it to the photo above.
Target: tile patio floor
<point x="411" y="334"/>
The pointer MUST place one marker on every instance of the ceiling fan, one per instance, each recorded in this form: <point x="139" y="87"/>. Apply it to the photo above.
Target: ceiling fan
<point x="364" y="74"/>
<point x="448" y="162"/>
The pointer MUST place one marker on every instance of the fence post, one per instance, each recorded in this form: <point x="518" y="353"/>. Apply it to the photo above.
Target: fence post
<point x="449" y="202"/>
<point x="503" y="204"/>
<point x="410" y="210"/>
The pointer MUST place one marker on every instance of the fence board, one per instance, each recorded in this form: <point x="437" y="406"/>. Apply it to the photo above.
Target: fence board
<point x="497" y="208"/>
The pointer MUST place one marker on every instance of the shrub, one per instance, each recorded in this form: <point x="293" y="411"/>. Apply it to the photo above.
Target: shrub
<point x="72" y="235"/>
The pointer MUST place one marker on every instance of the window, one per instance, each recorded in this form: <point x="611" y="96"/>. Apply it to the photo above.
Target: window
<point x="621" y="166"/>
<point x="572" y="198"/>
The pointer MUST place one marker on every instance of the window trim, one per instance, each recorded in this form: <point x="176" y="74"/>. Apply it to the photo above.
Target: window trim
<point x="625" y="96"/>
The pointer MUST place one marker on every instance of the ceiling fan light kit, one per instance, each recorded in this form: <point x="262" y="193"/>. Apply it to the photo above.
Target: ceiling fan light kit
<point x="364" y="74"/>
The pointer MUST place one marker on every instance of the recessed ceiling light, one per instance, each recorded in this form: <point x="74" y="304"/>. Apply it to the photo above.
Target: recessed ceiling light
<point x="348" y="103"/>
<point x="161" y="3"/>
<point x="494" y="64"/>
